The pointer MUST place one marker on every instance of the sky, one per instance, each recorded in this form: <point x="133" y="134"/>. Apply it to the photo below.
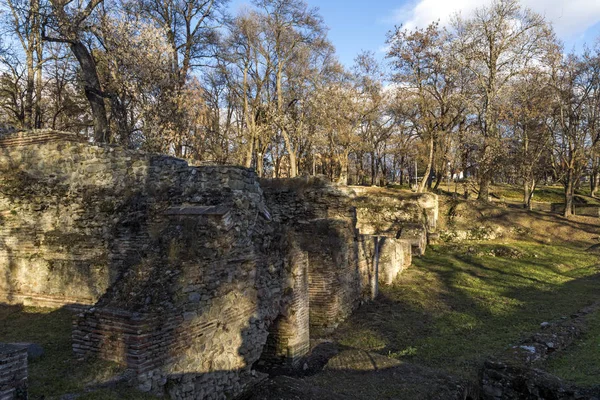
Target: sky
<point x="356" y="25"/>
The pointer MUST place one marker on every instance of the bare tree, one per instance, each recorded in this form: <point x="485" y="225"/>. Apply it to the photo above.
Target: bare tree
<point x="423" y="72"/>
<point x="495" y="46"/>
<point x="69" y="23"/>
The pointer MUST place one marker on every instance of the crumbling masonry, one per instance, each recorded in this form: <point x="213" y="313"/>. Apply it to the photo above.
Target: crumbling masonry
<point x="192" y="276"/>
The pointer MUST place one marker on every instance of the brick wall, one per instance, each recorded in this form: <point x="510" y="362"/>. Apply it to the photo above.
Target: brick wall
<point x="13" y="372"/>
<point x="193" y="273"/>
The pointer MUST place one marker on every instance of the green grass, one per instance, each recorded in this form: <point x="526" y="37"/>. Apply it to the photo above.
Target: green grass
<point x="460" y="304"/>
<point x="580" y="363"/>
<point x="57" y="372"/>
<point x="543" y="194"/>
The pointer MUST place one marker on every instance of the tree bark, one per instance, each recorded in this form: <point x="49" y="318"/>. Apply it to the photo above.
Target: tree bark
<point x="484" y="188"/>
<point x="528" y="189"/>
<point x="594" y="183"/>
<point x="569" y="190"/>
<point x="344" y="170"/>
<point x="92" y="90"/>
<point x="425" y="179"/>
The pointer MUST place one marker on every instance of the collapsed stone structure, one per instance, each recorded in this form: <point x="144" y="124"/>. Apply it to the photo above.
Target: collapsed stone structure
<point x="195" y="275"/>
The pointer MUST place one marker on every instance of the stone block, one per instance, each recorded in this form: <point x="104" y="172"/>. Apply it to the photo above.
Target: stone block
<point x="13" y="372"/>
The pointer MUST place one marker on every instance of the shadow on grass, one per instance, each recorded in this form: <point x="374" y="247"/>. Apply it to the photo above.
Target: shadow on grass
<point x="451" y="312"/>
<point x="57" y="372"/>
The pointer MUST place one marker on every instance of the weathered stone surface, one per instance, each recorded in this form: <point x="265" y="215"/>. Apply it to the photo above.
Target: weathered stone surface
<point x="345" y="265"/>
<point x="13" y="372"/>
<point x="505" y="381"/>
<point x="390" y="255"/>
<point x="388" y="213"/>
<point x="416" y="236"/>
<point x="195" y="275"/>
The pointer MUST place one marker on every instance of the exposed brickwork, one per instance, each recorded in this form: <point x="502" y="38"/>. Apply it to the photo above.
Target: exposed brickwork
<point x="13" y="372"/>
<point x="289" y="335"/>
<point x="194" y="274"/>
<point x="351" y="250"/>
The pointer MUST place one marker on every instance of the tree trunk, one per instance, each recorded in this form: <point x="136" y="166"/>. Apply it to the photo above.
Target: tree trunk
<point x="484" y="188"/>
<point x="425" y="179"/>
<point x="528" y="190"/>
<point x="373" y="172"/>
<point x="344" y="170"/>
<point x="438" y="181"/>
<point x="93" y="91"/>
<point x="260" y="161"/>
<point x="119" y="113"/>
<point x="39" y="52"/>
<point x="594" y="183"/>
<point x="569" y="190"/>
<point x="30" y="87"/>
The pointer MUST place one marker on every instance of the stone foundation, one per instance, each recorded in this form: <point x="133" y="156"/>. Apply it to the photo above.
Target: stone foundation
<point x="13" y="372"/>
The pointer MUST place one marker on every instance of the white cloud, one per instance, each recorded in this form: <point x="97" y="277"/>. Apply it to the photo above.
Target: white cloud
<point x="571" y="18"/>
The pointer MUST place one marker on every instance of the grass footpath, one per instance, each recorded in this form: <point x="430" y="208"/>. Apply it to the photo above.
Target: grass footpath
<point x="461" y="303"/>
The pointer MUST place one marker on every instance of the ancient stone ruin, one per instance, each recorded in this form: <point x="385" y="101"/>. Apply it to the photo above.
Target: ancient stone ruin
<point x="13" y="372"/>
<point x="192" y="277"/>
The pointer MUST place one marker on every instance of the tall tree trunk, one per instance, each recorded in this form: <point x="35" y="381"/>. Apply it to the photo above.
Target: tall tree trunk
<point x="344" y="170"/>
<point x="528" y="190"/>
<point x="260" y="160"/>
<point x="30" y="87"/>
<point x="425" y="179"/>
<point x="93" y="91"/>
<point x="373" y="173"/>
<point x="569" y="190"/>
<point x="246" y="120"/>
<point x="484" y="188"/>
<point x="438" y="181"/>
<point x="39" y="52"/>
<point x="594" y="183"/>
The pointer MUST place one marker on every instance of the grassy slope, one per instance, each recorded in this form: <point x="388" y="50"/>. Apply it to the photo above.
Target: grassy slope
<point x="461" y="303"/>
<point x="455" y="307"/>
<point x="580" y="363"/>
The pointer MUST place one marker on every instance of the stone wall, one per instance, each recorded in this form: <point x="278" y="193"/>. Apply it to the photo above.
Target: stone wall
<point x="74" y="216"/>
<point x="341" y="270"/>
<point x="195" y="275"/>
<point x="393" y="257"/>
<point x="183" y="265"/>
<point x="354" y="242"/>
<point x="13" y="372"/>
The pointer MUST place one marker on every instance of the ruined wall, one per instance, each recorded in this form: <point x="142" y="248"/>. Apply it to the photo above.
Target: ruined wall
<point x="354" y="243"/>
<point x="195" y="275"/>
<point x="393" y="257"/>
<point x="13" y="372"/>
<point x="184" y="267"/>
<point x="74" y="216"/>
<point x="340" y="263"/>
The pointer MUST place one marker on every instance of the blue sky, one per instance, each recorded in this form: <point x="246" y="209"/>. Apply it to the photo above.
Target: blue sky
<point x="357" y="25"/>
